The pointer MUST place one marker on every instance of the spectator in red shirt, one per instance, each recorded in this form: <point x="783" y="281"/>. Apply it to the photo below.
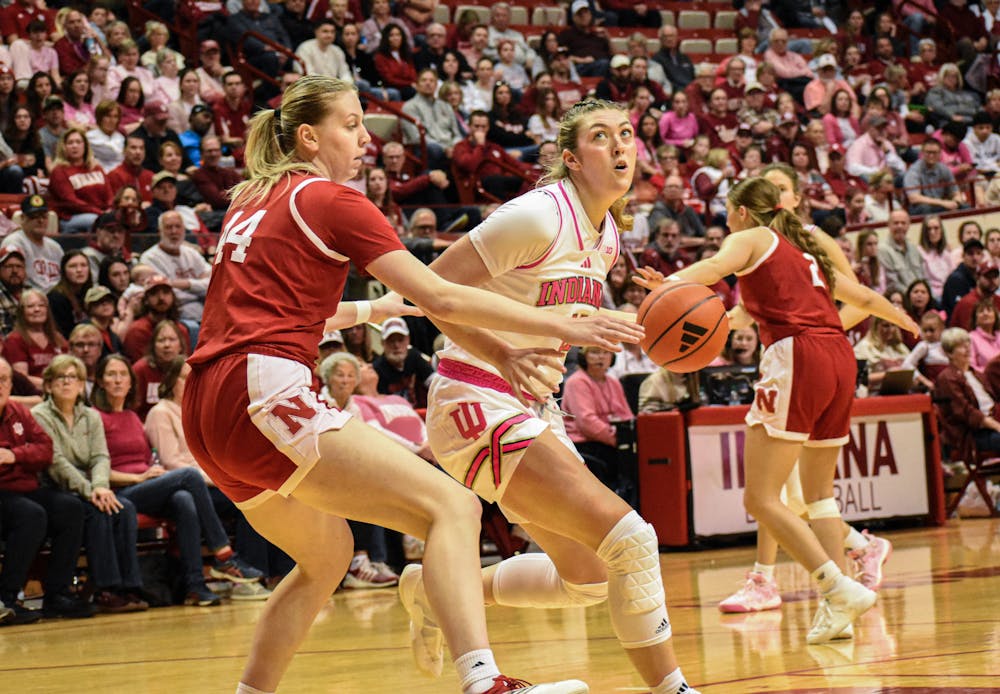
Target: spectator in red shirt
<point x="78" y="187"/>
<point x="394" y="62"/>
<point x="72" y="48"/>
<point x="232" y="113"/>
<point x="15" y="18"/>
<point x="131" y="172"/>
<point x="475" y="156"/>
<point x="212" y="180"/>
<point x="664" y="252"/>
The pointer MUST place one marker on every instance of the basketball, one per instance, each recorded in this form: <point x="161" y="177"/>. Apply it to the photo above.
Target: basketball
<point x="686" y="326"/>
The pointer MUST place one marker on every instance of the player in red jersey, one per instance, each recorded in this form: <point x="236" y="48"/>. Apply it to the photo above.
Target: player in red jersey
<point x="801" y="409"/>
<point x="294" y="467"/>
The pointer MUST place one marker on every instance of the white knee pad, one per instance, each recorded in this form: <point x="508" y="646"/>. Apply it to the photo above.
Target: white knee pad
<point x="824" y="508"/>
<point x="635" y="588"/>
<point x="532" y="580"/>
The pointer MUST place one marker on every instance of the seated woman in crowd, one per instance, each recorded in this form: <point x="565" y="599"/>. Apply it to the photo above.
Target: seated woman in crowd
<point x="188" y="96"/>
<point x="880" y="196"/>
<point x="77" y="101"/>
<point x="80" y="464"/>
<point x="543" y="125"/>
<point x="35" y="339"/>
<point x="377" y="190"/>
<point x="821" y="198"/>
<point x="165" y="432"/>
<point x="508" y="128"/>
<point x="166" y="344"/>
<point x="868" y="269"/>
<point x="949" y="100"/>
<point x="131" y="100"/>
<point x="917" y="301"/>
<point x="394" y="61"/>
<point x="883" y="349"/>
<point x="179" y="494"/>
<point x="66" y="298"/>
<point x="24" y="140"/>
<point x="742" y="348"/>
<point x="106" y="142"/>
<point x="85" y="343"/>
<point x="937" y="259"/>
<point x="595" y="400"/>
<point x="984" y="337"/>
<point x="967" y="407"/>
<point x="79" y="190"/>
<point x="38" y="90"/>
<point x="127" y="65"/>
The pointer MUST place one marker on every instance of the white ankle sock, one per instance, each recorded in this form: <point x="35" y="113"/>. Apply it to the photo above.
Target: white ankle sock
<point x="245" y="688"/>
<point x="476" y="671"/>
<point x="766" y="570"/>
<point x="672" y="684"/>
<point x="358" y="560"/>
<point x="827" y="575"/>
<point x="855" y="540"/>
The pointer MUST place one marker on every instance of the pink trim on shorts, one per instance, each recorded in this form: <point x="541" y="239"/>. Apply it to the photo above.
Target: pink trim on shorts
<point x="548" y="251"/>
<point x="473" y="375"/>
<point x="576" y="222"/>
<point x="495" y="450"/>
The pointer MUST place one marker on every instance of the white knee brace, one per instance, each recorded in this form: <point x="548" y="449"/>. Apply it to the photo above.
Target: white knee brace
<point x="531" y="580"/>
<point x="635" y="588"/>
<point x="824" y="508"/>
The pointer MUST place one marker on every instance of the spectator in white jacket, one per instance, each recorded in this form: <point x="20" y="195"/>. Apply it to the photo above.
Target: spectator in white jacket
<point x="983" y="143"/>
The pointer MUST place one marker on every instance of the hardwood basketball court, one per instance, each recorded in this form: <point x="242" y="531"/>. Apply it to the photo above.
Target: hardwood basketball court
<point x="936" y="628"/>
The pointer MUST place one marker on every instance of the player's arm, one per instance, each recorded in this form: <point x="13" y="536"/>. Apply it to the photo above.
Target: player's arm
<point x="851" y="292"/>
<point x="350" y="313"/>
<point x="735" y="254"/>
<point x="849" y="315"/>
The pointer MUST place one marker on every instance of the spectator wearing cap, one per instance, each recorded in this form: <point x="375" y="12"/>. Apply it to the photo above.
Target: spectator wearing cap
<point x="791" y="68"/>
<point x="41" y="254"/>
<point x="322" y="56"/>
<point x="232" y="114"/>
<point x="756" y="113"/>
<point x="182" y="264"/>
<point x="78" y="187"/>
<point x="211" y="71"/>
<point x="983" y="144"/>
<point x="872" y="152"/>
<point x="201" y="124"/>
<point x="131" y="172"/>
<point x="73" y="47"/>
<point x="987" y="283"/>
<point x="962" y="280"/>
<point x="589" y="48"/>
<point x="158" y="303"/>
<point x="783" y="138"/>
<point x="12" y="278"/>
<point x="165" y="200"/>
<point x="898" y="255"/>
<point x="332" y="341"/>
<point x="617" y="86"/>
<point x="929" y="185"/>
<point x="676" y="66"/>
<point x="820" y="91"/>
<point x="154" y="131"/>
<point x="108" y="240"/>
<point x="99" y="304"/>
<point x="213" y="180"/>
<point x="401" y="369"/>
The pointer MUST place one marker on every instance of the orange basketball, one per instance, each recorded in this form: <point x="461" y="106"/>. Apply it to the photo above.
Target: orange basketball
<point x="686" y="326"/>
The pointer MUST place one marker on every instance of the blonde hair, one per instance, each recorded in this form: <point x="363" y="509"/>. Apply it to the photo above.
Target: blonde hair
<point x="271" y="145"/>
<point x="88" y="153"/>
<point x="58" y="363"/>
<point x="328" y="365"/>
<point x="569" y="134"/>
<point x="762" y="200"/>
<point x="952" y="338"/>
<point x="717" y="157"/>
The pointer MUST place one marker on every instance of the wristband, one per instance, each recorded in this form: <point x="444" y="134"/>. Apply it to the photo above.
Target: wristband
<point x="364" y="309"/>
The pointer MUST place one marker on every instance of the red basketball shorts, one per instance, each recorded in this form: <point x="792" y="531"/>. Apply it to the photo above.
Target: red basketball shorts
<point x="806" y="389"/>
<point x="253" y="424"/>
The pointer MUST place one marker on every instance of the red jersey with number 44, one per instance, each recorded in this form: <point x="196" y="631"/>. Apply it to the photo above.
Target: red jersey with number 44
<point x="787" y="295"/>
<point x="281" y="267"/>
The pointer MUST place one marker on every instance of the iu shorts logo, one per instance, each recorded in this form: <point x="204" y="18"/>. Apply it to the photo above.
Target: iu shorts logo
<point x="765" y="400"/>
<point x="469" y="420"/>
<point x="293" y="413"/>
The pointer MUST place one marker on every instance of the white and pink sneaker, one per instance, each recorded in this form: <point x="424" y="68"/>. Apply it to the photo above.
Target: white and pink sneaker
<point x="758" y="594"/>
<point x="870" y="560"/>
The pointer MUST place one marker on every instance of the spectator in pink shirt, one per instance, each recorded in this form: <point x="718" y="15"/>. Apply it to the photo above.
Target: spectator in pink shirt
<point x="819" y="92"/>
<point x="35" y="54"/>
<point x="791" y="68"/>
<point x="679" y="126"/>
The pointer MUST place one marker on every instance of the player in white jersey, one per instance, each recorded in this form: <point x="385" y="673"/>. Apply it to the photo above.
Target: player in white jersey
<point x="551" y="248"/>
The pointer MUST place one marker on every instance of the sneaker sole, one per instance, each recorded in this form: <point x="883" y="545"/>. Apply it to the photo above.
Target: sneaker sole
<point x="880" y="576"/>
<point x="429" y="657"/>
<point x="839" y="625"/>
<point x="567" y="687"/>
<point x="352" y="583"/>
<point x="223" y="576"/>
<point x="745" y="609"/>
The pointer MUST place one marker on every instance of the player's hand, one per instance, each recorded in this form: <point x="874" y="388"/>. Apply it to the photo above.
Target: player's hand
<point x="390" y="305"/>
<point x="600" y="331"/>
<point x="906" y="322"/>
<point x="649" y="278"/>
<point x="536" y="372"/>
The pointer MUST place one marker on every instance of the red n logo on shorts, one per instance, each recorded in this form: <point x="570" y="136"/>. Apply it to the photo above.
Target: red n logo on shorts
<point x="469" y="420"/>
<point x="765" y="399"/>
<point x="293" y="412"/>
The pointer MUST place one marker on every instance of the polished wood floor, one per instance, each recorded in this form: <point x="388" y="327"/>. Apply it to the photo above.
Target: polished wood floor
<point x="936" y="628"/>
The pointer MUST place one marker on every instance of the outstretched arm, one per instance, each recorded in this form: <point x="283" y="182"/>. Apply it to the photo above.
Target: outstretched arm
<point x="851" y="292"/>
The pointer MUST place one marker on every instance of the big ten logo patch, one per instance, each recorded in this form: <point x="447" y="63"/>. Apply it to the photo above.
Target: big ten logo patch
<point x="469" y="420"/>
<point x="293" y="413"/>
